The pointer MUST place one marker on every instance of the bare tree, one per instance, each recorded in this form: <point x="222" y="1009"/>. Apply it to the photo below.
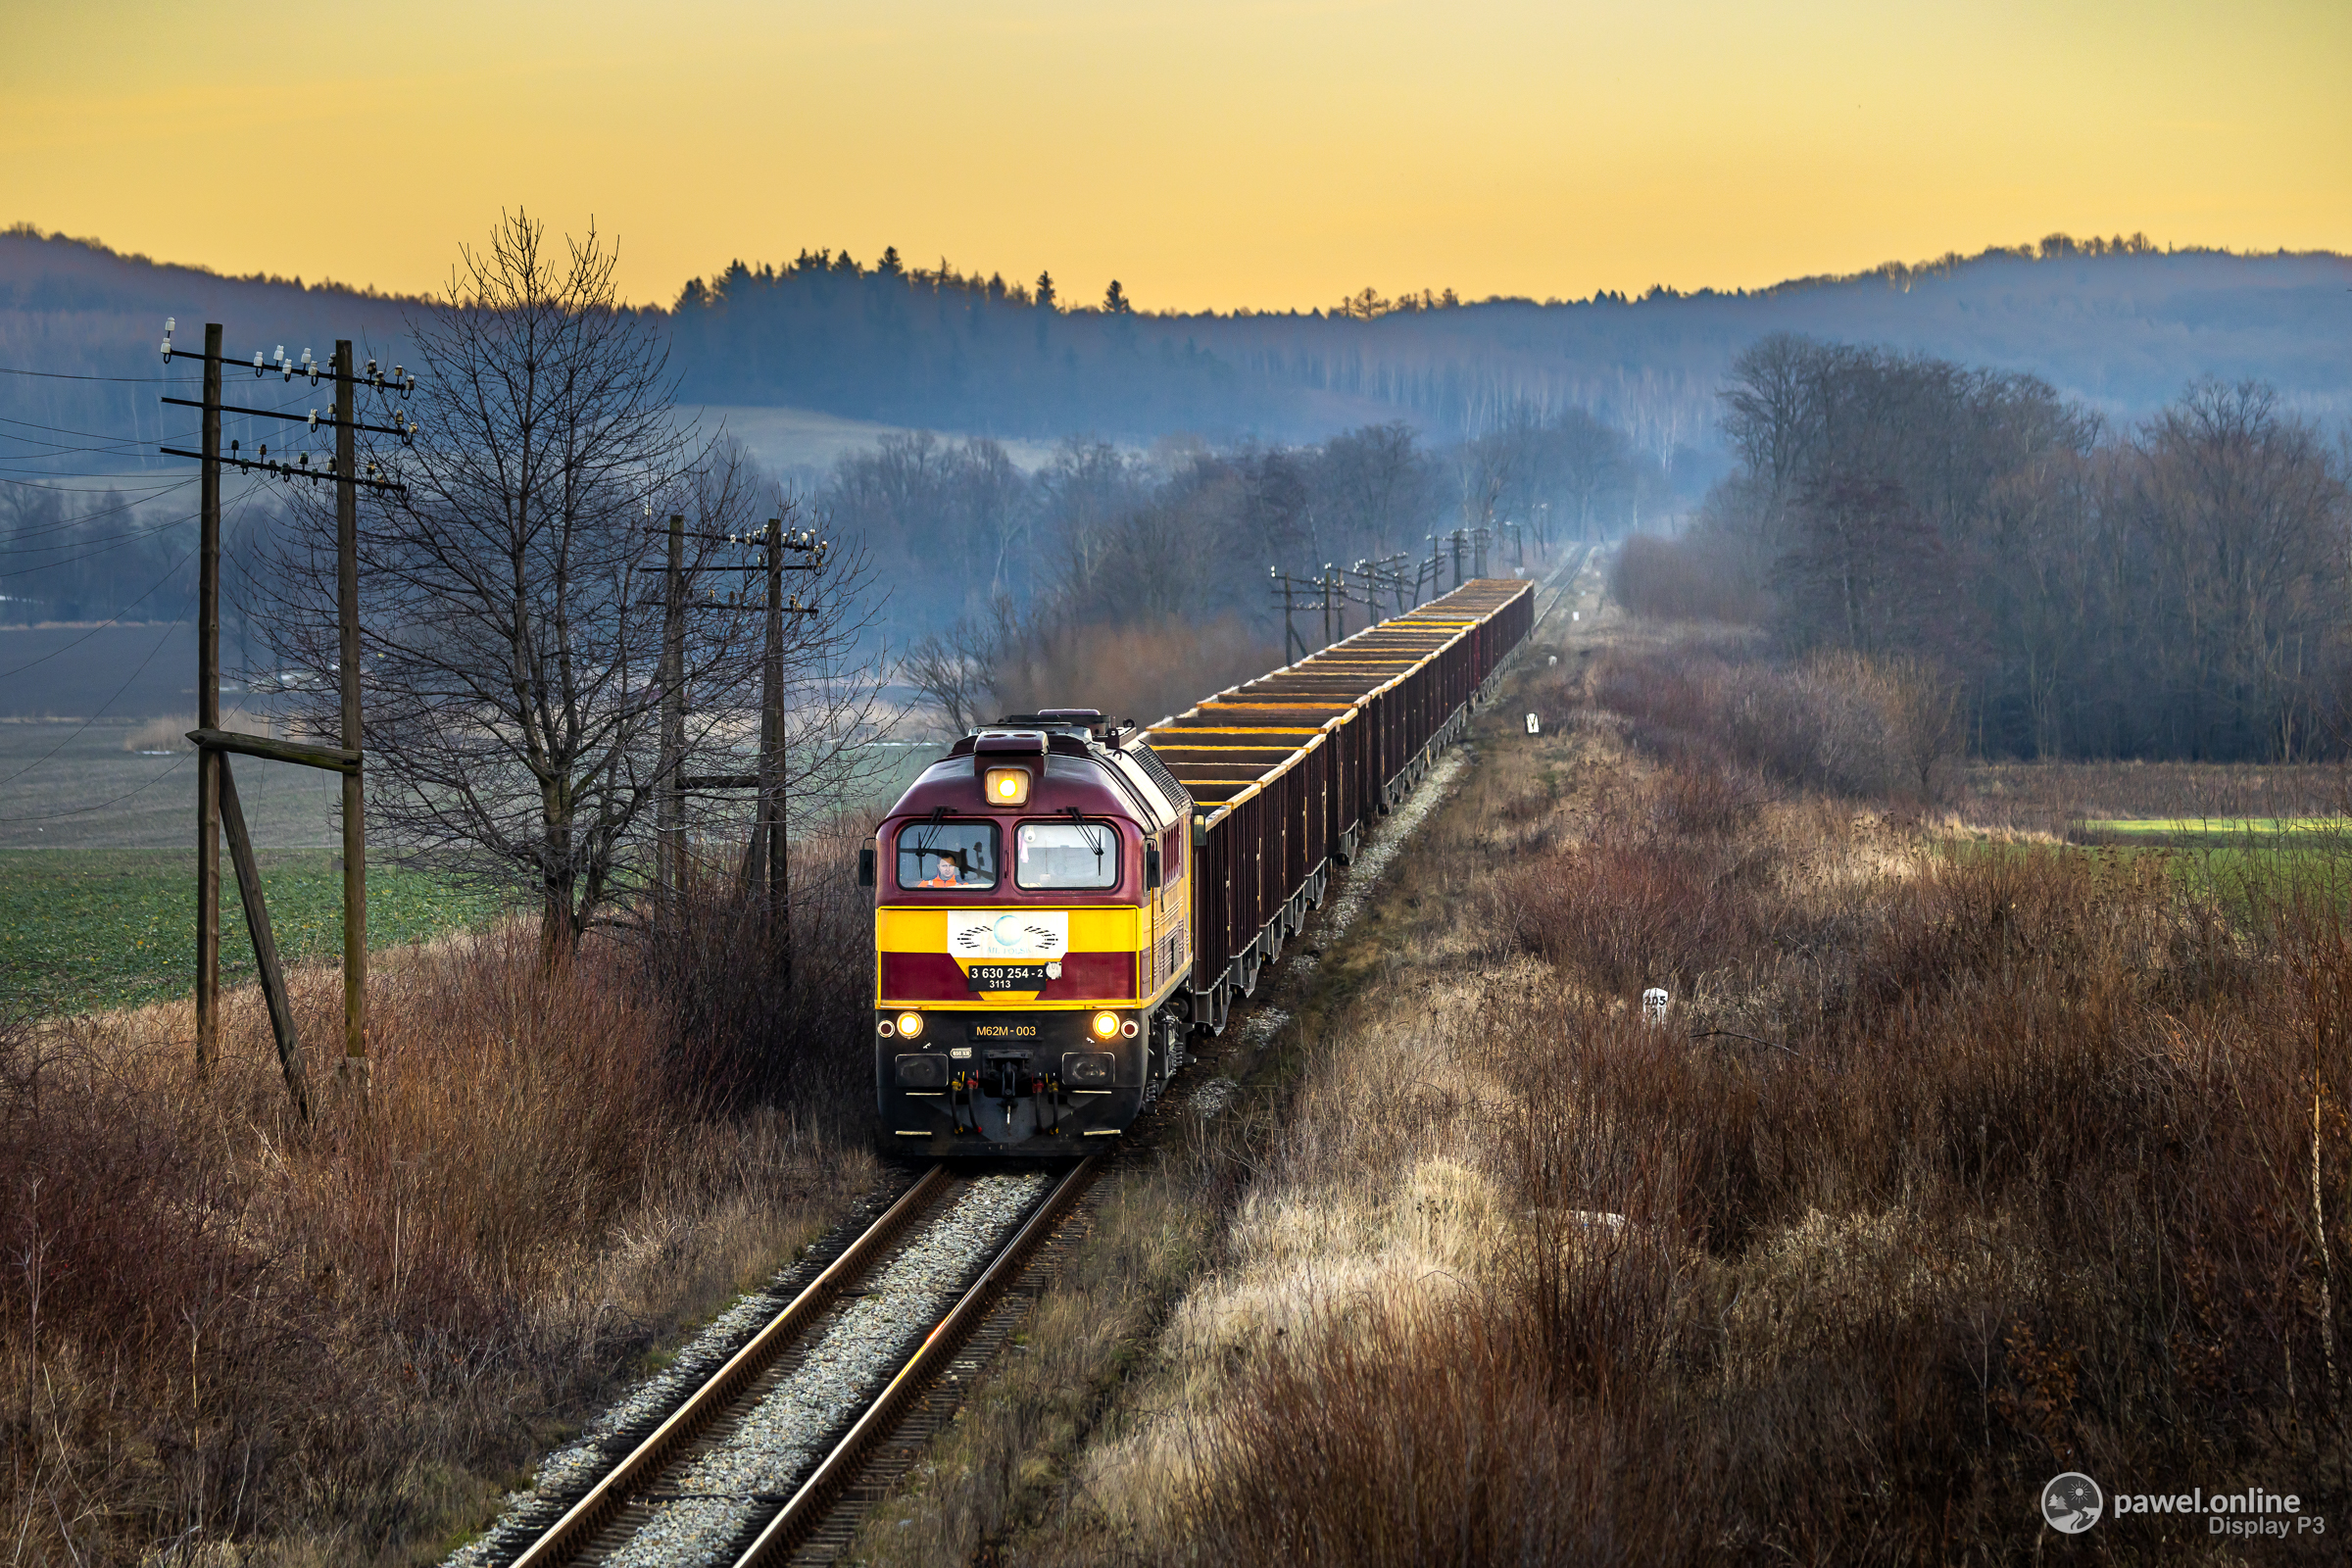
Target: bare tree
<point x="954" y="671"/>
<point x="512" y="616"/>
<point x="1375" y="484"/>
<point x="2241" y="523"/>
<point x="1927" y="721"/>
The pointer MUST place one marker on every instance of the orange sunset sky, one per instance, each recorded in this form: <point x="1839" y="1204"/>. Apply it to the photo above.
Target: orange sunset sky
<point x="1208" y="155"/>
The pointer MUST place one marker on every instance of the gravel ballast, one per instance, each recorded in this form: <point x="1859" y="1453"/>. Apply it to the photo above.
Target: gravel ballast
<point x="723" y="1492"/>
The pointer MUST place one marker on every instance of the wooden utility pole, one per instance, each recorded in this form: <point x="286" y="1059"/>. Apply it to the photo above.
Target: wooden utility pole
<point x="208" y="714"/>
<point x="218" y="808"/>
<point x="355" y="815"/>
<point x="1294" y="646"/>
<point x="670" y="809"/>
<point x="767" y="864"/>
<point x="771" y="827"/>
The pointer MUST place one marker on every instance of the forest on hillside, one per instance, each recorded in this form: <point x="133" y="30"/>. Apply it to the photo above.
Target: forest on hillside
<point x="2115" y="514"/>
<point x="2117" y="324"/>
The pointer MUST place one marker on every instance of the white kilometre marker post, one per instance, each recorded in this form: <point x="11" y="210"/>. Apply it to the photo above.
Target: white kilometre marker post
<point x="1653" y="1004"/>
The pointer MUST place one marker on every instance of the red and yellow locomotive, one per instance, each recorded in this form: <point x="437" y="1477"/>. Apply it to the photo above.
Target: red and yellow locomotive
<point x="1059" y="904"/>
<point x="1031" y="939"/>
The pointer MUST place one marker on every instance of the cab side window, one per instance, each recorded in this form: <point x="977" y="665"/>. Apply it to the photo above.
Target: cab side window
<point x="938" y="855"/>
<point x="1066" y="855"/>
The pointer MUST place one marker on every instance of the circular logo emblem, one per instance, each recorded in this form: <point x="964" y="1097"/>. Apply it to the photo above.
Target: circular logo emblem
<point x="2072" y="1502"/>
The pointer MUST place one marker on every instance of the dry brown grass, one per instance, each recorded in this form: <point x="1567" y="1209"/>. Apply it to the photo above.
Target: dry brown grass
<point x="337" y="1343"/>
<point x="1946" y="1172"/>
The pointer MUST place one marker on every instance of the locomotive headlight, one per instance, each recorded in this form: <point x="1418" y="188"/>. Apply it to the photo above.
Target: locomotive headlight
<point x="911" y="1027"/>
<point x="1105" y="1025"/>
<point x="1007" y="786"/>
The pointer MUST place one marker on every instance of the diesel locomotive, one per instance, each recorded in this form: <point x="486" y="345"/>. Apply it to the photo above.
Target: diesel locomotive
<point x="1062" y="900"/>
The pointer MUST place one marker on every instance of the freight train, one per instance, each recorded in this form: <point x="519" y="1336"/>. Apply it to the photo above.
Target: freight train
<point x="1063" y="901"/>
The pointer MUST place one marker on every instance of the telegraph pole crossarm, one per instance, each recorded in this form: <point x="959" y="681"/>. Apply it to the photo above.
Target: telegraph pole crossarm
<point x="406" y="432"/>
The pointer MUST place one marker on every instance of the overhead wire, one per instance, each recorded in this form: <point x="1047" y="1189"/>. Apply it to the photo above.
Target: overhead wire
<point x="118" y="541"/>
<point x="84" y="811"/>
<point x="63" y="525"/>
<point x="59" y="429"/>
<point x="102" y="707"/>
<point x="115" y="443"/>
<point x="83" y="489"/>
<point x="109" y="621"/>
<point x="129" y="380"/>
<point x="96" y="714"/>
<point x="241" y="501"/>
<point x="109" y="542"/>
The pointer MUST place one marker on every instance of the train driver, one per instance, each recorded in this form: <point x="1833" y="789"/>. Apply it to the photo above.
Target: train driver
<point x="945" y="877"/>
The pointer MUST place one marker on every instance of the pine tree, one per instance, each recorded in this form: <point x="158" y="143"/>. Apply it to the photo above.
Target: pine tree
<point x="1114" y="300"/>
<point x="1045" y="290"/>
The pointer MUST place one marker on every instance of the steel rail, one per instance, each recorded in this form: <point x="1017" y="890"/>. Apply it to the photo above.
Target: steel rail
<point x="568" y="1532"/>
<point x="807" y="1506"/>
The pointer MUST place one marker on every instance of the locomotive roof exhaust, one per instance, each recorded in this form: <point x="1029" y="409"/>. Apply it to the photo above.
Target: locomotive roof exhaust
<point x="1088" y="722"/>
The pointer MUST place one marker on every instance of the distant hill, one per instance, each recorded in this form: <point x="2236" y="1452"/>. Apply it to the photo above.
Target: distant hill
<point x="2122" y="325"/>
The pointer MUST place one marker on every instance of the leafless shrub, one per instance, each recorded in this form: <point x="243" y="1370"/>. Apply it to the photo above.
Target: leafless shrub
<point x="755" y="1023"/>
<point x="1837" y="722"/>
<point x="218" y="1326"/>
<point x="1691" y="578"/>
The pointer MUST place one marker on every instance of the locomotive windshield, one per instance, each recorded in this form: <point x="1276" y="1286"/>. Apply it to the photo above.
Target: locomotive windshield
<point x="948" y="855"/>
<point x="1066" y="855"/>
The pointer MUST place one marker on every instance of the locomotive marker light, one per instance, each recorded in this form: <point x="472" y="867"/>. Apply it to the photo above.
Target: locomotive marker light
<point x="1533" y="727"/>
<point x="1105" y="1025"/>
<point x="911" y="1025"/>
<point x="1007" y="786"/>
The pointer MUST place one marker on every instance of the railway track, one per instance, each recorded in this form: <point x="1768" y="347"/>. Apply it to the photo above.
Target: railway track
<point x="776" y="1454"/>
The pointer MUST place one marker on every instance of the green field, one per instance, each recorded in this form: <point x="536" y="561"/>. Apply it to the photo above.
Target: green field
<point x="89" y="928"/>
<point x="2199" y="831"/>
<point x="2253" y="874"/>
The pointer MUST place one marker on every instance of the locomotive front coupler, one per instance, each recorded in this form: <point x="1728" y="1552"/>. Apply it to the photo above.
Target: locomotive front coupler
<point x="1008" y="1076"/>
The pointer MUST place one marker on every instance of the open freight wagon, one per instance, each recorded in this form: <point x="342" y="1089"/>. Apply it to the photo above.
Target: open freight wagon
<point x="1286" y="771"/>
